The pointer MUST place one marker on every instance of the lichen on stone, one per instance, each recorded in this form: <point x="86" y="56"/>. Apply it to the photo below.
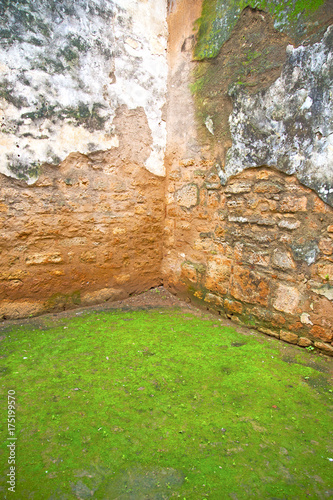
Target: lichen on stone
<point x="289" y="125"/>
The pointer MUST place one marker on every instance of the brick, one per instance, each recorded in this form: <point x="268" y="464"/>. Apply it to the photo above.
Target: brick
<point x="239" y="187"/>
<point x="187" y="196"/>
<point x="326" y="348"/>
<point x="44" y="258"/>
<point x="321" y="333"/>
<point x="289" y="337"/>
<point x="88" y="257"/>
<point x="287" y="299"/>
<point x="268" y="187"/>
<point x="289" y="224"/>
<point x="292" y="204"/>
<point x="249" y="286"/>
<point x="211" y="298"/>
<point x="189" y="272"/>
<point x="304" y="342"/>
<point x="282" y="260"/>
<point x="218" y="273"/>
<point x="269" y="332"/>
<point x="326" y="246"/>
<point x="233" y="306"/>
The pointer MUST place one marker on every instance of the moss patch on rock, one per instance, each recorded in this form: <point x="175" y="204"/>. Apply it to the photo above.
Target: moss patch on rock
<point x="252" y="59"/>
<point x="219" y="17"/>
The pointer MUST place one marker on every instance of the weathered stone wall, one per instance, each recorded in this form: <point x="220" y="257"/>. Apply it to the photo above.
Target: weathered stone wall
<point x="243" y="222"/>
<point x="86" y="231"/>
<point x="241" y="236"/>
<point x="65" y="69"/>
<point x="82" y="135"/>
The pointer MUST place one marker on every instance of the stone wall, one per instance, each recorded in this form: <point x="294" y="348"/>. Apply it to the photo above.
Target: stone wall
<point x="82" y="135"/>
<point x="242" y="223"/>
<point x="65" y="69"/>
<point x="244" y="233"/>
<point x="86" y="231"/>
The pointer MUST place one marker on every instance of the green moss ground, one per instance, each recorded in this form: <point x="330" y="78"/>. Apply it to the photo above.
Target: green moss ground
<point x="160" y="404"/>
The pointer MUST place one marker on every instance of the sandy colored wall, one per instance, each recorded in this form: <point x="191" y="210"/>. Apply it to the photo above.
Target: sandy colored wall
<point x="248" y="232"/>
<point x="82" y="135"/>
<point x="87" y="231"/>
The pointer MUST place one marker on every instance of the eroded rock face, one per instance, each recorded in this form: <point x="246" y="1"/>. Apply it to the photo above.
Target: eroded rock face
<point x="65" y="70"/>
<point x="290" y="125"/>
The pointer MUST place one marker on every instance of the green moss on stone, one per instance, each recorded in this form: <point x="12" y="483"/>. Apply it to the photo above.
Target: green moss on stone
<point x="62" y="301"/>
<point x="219" y="17"/>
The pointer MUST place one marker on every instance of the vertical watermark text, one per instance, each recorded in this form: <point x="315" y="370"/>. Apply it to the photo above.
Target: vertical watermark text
<point x="11" y="446"/>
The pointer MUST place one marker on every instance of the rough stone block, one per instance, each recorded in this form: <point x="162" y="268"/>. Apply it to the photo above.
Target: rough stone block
<point x="233" y="306"/>
<point x="187" y="196"/>
<point x="122" y="278"/>
<point x="267" y="221"/>
<point x="189" y="272"/>
<point x="258" y="258"/>
<point x="287" y="299"/>
<point x="306" y="251"/>
<point x="326" y="246"/>
<point x="213" y="181"/>
<point x="305" y="319"/>
<point x="304" y="342"/>
<point x="326" y="348"/>
<point x="290" y="224"/>
<point x="292" y="204"/>
<point x="103" y="295"/>
<point x="219" y="267"/>
<point x="20" y="309"/>
<point x="249" y="286"/>
<point x="88" y="257"/>
<point x="292" y="338"/>
<point x="322" y="333"/>
<point x="282" y="260"/>
<point x="211" y="298"/>
<point x="325" y="271"/>
<point x="240" y="220"/>
<point x="44" y="258"/>
<point x="269" y="332"/>
<point x="239" y="187"/>
<point x="268" y="187"/>
<point x="319" y="206"/>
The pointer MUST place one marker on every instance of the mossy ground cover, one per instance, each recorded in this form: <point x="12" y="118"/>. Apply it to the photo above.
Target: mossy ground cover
<point x="162" y="403"/>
